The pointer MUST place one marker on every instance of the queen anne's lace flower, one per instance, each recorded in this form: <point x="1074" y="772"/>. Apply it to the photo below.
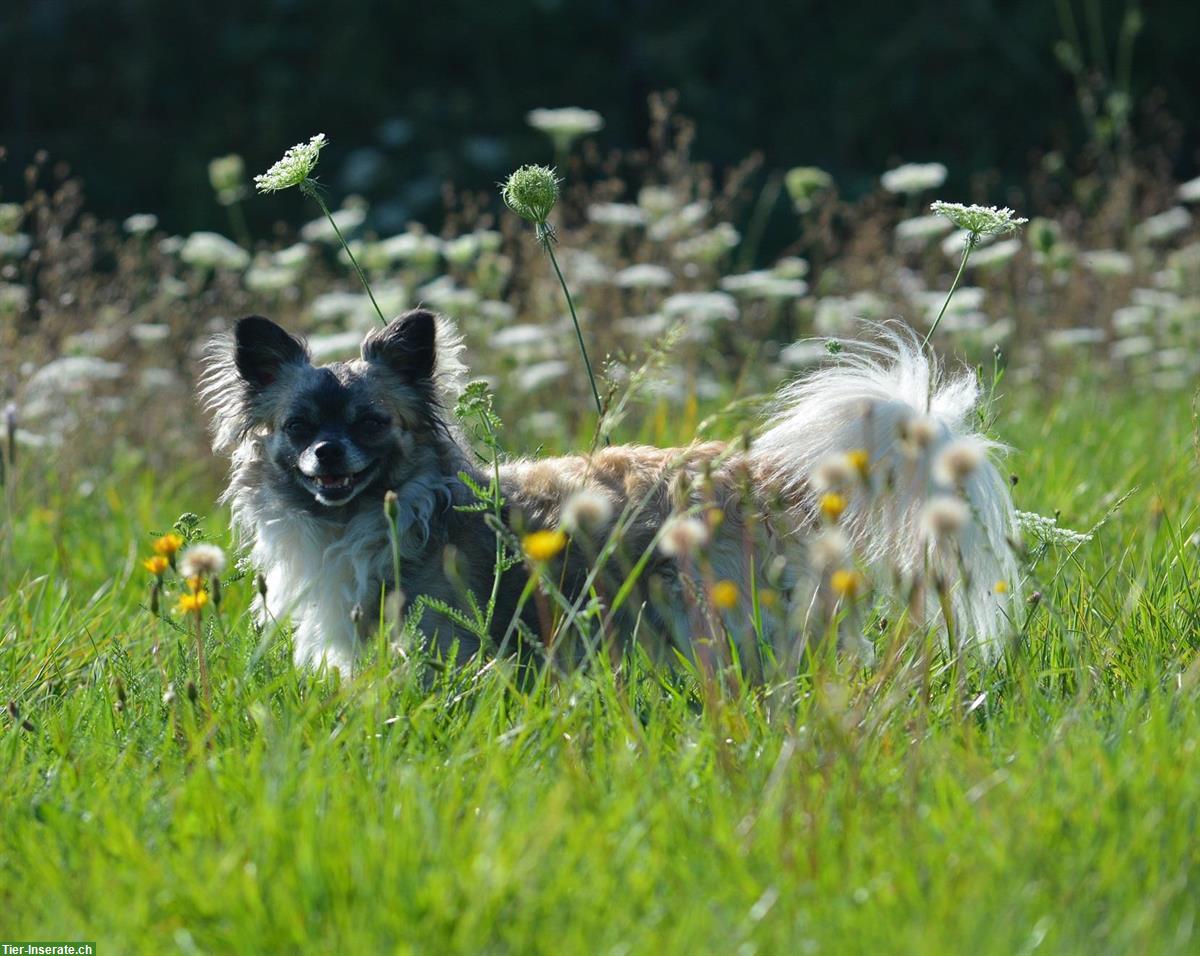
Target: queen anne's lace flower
<point x="979" y="220"/>
<point x="296" y="166"/>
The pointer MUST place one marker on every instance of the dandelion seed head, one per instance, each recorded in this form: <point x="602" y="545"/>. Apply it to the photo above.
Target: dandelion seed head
<point x="293" y="168"/>
<point x="201" y="561"/>
<point x="682" y="536"/>
<point x="958" y="461"/>
<point x="828" y="549"/>
<point x="944" y="517"/>
<point x="918" y="434"/>
<point x="586" y="510"/>
<point x="834" y="473"/>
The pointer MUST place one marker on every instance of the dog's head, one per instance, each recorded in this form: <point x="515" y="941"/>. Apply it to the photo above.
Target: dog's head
<point x="331" y="433"/>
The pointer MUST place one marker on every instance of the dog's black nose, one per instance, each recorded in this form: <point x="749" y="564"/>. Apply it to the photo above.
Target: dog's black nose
<point x="328" y="452"/>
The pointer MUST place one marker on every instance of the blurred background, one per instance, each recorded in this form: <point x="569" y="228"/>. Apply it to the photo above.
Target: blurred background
<point x="138" y="95"/>
<point x="741" y="181"/>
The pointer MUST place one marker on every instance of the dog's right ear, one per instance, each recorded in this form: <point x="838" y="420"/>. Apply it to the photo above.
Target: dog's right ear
<point x="262" y="350"/>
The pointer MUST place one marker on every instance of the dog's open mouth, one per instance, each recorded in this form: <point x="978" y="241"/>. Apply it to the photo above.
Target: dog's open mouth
<point x="338" y="489"/>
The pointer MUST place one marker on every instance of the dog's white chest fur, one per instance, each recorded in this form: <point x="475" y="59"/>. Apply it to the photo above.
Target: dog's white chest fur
<point x="317" y="572"/>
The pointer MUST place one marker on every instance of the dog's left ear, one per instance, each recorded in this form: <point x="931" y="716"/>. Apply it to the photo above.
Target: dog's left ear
<point x="406" y="345"/>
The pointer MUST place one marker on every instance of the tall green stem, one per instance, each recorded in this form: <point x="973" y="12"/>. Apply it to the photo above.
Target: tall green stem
<point x="308" y="187"/>
<point x="547" y="239"/>
<point x="972" y="238"/>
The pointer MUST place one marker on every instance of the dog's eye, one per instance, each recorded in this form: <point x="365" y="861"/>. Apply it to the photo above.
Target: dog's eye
<point x="372" y="424"/>
<point x="296" y="427"/>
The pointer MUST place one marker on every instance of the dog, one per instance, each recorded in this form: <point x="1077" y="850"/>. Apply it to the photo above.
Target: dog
<point x="868" y="466"/>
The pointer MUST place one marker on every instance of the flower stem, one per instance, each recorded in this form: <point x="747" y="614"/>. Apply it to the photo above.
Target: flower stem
<point x="546" y="243"/>
<point x="308" y="187"/>
<point x="972" y="238"/>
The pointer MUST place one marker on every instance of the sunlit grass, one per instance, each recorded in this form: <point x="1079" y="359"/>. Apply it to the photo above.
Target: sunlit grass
<point x="1051" y="808"/>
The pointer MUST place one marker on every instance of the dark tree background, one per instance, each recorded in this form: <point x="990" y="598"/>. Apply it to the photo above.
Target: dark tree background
<point x="138" y="95"/>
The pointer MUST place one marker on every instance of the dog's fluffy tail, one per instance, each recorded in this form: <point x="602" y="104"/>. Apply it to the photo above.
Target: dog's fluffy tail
<point x="905" y="518"/>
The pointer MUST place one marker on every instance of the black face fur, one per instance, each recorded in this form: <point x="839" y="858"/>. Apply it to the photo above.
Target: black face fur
<point x="344" y="431"/>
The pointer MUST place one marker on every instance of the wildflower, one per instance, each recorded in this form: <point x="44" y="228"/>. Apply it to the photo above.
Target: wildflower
<point x="701" y="306"/>
<point x="913" y="178"/>
<point x="586" y="510"/>
<point x="531" y="193"/>
<point x="958" y="461"/>
<point x="828" y="549"/>
<point x="944" y="516"/>
<point x="917" y="434"/>
<point x="201" y="560"/>
<point x="543" y="545"/>
<point x="832" y="505"/>
<point x="1107" y="262"/>
<point x="724" y="595"/>
<point x="847" y="583"/>
<point x="979" y="221"/>
<point x="168" y="545"/>
<point x="1163" y="226"/>
<point x="156" y="565"/>
<point x="916" y="232"/>
<point x="617" y="215"/>
<point x="211" y="250"/>
<point x="804" y="184"/>
<point x="140" y="223"/>
<point x="681" y="536"/>
<point x="294" y="168"/>
<point x="997" y="254"/>
<point x="565" y="125"/>
<point x="1001" y="587"/>
<point x="1047" y="530"/>
<point x="227" y="175"/>
<point x="764" y="284"/>
<point x="643" y="276"/>
<point x="192" y="602"/>
<point x="860" y="460"/>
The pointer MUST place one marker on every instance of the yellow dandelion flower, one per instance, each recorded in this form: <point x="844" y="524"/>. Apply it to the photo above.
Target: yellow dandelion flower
<point x="768" y="598"/>
<point x="192" y="603"/>
<point x="167" y="545"/>
<point x="156" y="565"/>
<point x="832" y="505"/>
<point x="1001" y="587"/>
<point x="724" y="595"/>
<point x="543" y="545"/>
<point x="195" y="584"/>
<point x="861" y="461"/>
<point x="847" y="583"/>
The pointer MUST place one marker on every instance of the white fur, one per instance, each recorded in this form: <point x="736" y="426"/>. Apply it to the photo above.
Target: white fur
<point x="863" y="401"/>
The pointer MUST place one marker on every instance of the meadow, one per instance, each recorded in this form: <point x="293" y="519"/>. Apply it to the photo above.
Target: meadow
<point x="1046" y="801"/>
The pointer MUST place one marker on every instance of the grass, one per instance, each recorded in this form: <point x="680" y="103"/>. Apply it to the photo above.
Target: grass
<point x="1053" y="809"/>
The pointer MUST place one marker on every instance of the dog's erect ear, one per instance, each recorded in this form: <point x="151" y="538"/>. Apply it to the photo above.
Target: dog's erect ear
<point x="406" y="345"/>
<point x="263" y="349"/>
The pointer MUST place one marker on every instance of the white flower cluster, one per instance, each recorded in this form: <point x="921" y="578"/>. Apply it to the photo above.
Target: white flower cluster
<point x="296" y="166"/>
<point x="1047" y="530"/>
